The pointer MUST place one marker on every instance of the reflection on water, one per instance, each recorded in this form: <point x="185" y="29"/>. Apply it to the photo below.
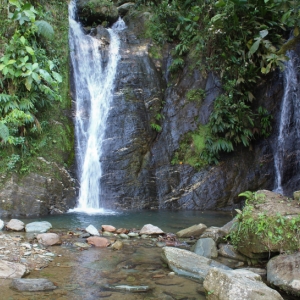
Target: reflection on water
<point x="169" y="221"/>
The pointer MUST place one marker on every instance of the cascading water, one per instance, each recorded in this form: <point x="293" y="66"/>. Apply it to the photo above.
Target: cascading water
<point x="93" y="86"/>
<point x="289" y="127"/>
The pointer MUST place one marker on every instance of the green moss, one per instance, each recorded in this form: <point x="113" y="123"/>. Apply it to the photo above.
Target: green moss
<point x="191" y="146"/>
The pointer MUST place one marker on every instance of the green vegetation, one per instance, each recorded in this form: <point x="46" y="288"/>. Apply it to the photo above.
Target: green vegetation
<point x="239" y="40"/>
<point x="196" y="95"/>
<point x="191" y="146"/>
<point x="279" y="232"/>
<point x="34" y="87"/>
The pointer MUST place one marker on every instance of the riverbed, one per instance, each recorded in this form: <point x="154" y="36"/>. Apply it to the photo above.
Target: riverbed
<point x="89" y="274"/>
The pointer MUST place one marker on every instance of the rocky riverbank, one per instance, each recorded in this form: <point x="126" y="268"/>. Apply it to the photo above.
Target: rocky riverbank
<point x="147" y="262"/>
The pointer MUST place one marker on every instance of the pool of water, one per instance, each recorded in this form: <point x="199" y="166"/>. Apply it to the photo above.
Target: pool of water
<point x="168" y="221"/>
<point x="87" y="274"/>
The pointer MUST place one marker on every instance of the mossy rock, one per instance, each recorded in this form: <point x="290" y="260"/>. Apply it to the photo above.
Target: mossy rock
<point x="269" y="223"/>
<point x="94" y="12"/>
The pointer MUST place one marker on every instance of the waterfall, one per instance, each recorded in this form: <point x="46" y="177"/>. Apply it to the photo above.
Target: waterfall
<point x="289" y="127"/>
<point x="93" y="88"/>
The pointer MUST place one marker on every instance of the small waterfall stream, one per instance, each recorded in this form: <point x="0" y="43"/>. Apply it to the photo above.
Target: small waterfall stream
<point x="289" y="127"/>
<point x="93" y="87"/>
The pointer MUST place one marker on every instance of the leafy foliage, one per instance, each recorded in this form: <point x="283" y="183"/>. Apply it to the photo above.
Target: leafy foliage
<point x="29" y="81"/>
<point x="32" y="120"/>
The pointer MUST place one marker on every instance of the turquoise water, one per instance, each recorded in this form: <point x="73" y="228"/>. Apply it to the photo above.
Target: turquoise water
<point x="168" y="221"/>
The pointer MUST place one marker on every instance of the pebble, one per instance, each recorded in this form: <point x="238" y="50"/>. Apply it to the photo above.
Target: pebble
<point x="27" y="253"/>
<point x="133" y="234"/>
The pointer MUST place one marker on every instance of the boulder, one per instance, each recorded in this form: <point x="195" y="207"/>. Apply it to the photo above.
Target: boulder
<point x="93" y="11"/>
<point x="296" y="196"/>
<point x="214" y="233"/>
<point x="49" y="239"/>
<point x="150" y="229"/>
<point x="237" y="284"/>
<point x="32" y="285"/>
<point x="122" y="230"/>
<point x="187" y="263"/>
<point x="92" y="230"/>
<point x="283" y="271"/>
<point x="206" y="247"/>
<point x="230" y="252"/>
<point x="10" y="270"/>
<point x="267" y="213"/>
<point x="1" y="224"/>
<point x="97" y="241"/>
<point x="124" y="8"/>
<point x="108" y="228"/>
<point x="225" y="230"/>
<point x="41" y="227"/>
<point x="195" y="231"/>
<point x="15" y="225"/>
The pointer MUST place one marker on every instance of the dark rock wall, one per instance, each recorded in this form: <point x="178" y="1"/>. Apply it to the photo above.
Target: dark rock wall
<point x="136" y="159"/>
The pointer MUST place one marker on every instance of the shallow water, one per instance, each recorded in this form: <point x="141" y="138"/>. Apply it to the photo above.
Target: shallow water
<point x="168" y="221"/>
<point x="85" y="274"/>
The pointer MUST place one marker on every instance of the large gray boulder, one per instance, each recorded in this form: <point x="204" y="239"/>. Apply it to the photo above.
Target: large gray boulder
<point x="10" y="270"/>
<point x="32" y="285"/>
<point x="237" y="285"/>
<point x="41" y="227"/>
<point x="283" y="271"/>
<point x="189" y="264"/>
<point x="195" y="231"/>
<point x="206" y="247"/>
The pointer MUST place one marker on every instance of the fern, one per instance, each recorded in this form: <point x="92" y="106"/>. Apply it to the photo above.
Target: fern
<point x="4" y="132"/>
<point x="44" y="29"/>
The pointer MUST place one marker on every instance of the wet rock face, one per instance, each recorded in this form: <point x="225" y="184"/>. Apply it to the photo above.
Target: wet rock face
<point x="136" y="160"/>
<point x="128" y="180"/>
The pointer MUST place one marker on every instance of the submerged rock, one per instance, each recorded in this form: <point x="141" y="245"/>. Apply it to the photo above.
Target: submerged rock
<point x="118" y="245"/>
<point x="283" y="271"/>
<point x="195" y="231"/>
<point x="10" y="270"/>
<point x="128" y="288"/>
<point x="82" y="245"/>
<point x="42" y="227"/>
<point x="150" y="229"/>
<point x="237" y="284"/>
<point x="187" y="263"/>
<point x="49" y="239"/>
<point x="32" y="285"/>
<point x="92" y="230"/>
<point x="99" y="242"/>
<point x="15" y="225"/>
